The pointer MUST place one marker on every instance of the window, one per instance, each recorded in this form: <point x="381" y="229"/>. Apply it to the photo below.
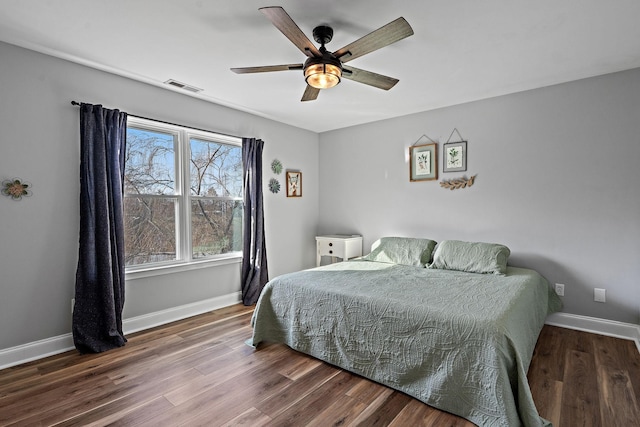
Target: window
<point x="183" y="194"/>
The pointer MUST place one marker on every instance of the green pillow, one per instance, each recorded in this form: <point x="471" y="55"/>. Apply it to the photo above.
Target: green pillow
<point x="473" y="257"/>
<point x="402" y="250"/>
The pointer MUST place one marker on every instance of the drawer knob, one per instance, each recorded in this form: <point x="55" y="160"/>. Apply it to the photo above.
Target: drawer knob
<point x="330" y="244"/>
<point x="330" y="252"/>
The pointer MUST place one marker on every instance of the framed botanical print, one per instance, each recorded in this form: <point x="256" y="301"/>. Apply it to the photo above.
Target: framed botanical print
<point x="294" y="184"/>
<point x="455" y="157"/>
<point x="423" y="162"/>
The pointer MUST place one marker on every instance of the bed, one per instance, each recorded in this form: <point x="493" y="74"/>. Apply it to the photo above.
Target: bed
<point x="454" y="327"/>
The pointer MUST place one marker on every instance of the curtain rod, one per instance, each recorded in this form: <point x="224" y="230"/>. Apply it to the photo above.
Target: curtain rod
<point x="77" y="104"/>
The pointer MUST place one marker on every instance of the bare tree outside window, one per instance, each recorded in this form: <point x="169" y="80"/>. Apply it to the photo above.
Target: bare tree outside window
<point x="157" y="208"/>
<point x="216" y="202"/>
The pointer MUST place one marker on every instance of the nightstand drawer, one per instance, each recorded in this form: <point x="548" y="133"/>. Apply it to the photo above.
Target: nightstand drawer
<point x="338" y="246"/>
<point x="331" y="247"/>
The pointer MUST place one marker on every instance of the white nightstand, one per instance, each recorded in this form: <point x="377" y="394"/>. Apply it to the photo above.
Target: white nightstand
<point x="338" y="245"/>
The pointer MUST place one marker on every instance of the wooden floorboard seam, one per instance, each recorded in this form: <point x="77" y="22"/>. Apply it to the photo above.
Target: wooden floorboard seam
<point x="200" y="372"/>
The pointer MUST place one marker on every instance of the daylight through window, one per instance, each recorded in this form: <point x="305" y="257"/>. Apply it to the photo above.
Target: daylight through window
<point x="183" y="194"/>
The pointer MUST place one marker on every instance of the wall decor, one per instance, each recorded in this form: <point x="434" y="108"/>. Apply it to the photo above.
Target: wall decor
<point x="16" y="189"/>
<point x="455" y="156"/>
<point x="294" y="184"/>
<point x="276" y="166"/>
<point x="274" y="185"/>
<point x="457" y="183"/>
<point x="423" y="162"/>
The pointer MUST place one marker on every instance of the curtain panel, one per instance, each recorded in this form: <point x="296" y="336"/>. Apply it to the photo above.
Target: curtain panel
<point x="99" y="288"/>
<point x="254" y="251"/>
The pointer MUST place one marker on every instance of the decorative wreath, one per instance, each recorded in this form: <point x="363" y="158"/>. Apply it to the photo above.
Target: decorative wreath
<point x="276" y="166"/>
<point x="15" y="188"/>
<point x="274" y="185"/>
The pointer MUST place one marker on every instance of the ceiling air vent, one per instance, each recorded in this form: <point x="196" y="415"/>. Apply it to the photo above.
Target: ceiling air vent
<point x="184" y="86"/>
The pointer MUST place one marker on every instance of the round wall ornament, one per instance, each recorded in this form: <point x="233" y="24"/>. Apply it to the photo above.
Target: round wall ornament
<point x="16" y="188"/>
<point x="274" y="185"/>
<point x="276" y="166"/>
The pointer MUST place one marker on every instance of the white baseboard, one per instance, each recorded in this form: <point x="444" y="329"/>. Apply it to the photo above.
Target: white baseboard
<point x="61" y="343"/>
<point x="50" y="346"/>
<point x="151" y="320"/>
<point x="595" y="325"/>
<point x="35" y="350"/>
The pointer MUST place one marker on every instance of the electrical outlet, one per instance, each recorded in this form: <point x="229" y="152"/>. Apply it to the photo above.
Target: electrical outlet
<point x="599" y="295"/>
<point x="560" y="289"/>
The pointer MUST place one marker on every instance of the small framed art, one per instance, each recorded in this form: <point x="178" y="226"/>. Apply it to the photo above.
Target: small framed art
<point x="294" y="184"/>
<point x="423" y="162"/>
<point x="455" y="157"/>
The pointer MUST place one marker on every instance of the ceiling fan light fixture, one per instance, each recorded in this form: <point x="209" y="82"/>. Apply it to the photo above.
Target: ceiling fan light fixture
<point x="322" y="75"/>
<point x="323" y="69"/>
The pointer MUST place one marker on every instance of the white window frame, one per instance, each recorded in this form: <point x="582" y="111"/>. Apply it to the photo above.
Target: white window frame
<point x="182" y="147"/>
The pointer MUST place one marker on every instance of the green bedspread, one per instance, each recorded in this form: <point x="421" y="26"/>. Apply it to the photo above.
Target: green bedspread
<point x="461" y="342"/>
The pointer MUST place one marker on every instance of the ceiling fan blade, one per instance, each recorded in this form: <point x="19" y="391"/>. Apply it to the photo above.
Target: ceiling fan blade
<point x="285" y="24"/>
<point x="267" y="68"/>
<point x="310" y="93"/>
<point x="383" y="36"/>
<point x="369" y="78"/>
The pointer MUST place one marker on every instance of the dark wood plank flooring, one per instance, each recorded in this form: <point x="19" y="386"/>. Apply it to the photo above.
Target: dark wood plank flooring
<point x="200" y="372"/>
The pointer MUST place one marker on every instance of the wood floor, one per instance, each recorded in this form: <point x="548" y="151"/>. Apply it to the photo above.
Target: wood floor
<point x="200" y="372"/>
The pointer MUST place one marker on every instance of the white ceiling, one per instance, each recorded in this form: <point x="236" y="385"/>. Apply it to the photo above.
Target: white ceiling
<point x="462" y="50"/>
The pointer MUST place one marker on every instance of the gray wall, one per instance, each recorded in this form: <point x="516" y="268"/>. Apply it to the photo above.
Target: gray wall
<point x="558" y="181"/>
<point x="39" y="142"/>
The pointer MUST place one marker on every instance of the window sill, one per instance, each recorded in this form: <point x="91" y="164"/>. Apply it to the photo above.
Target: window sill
<point x="139" y="273"/>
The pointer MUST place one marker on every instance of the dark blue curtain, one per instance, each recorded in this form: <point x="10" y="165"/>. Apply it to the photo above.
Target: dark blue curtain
<point x="254" y="251"/>
<point x="99" y="292"/>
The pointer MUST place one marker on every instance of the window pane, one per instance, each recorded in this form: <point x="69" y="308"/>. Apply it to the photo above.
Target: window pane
<point x="149" y="162"/>
<point x="216" y="169"/>
<point x="216" y="227"/>
<point x="149" y="229"/>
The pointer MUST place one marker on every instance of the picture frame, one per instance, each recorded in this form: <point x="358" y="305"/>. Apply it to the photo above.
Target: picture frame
<point x="294" y="184"/>
<point x="423" y="162"/>
<point x="454" y="156"/>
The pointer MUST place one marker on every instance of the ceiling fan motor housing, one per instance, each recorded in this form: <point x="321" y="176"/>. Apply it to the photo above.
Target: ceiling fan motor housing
<point x="323" y="34"/>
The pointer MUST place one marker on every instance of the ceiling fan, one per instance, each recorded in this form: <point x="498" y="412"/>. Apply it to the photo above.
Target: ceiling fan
<point x="324" y="69"/>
